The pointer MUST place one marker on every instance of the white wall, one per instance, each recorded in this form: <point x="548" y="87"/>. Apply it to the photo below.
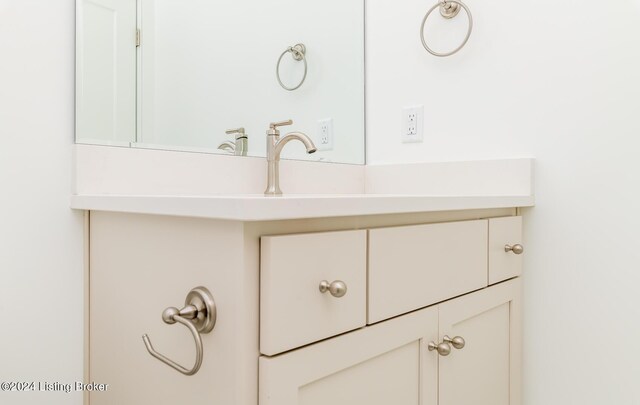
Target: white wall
<point x="561" y="82"/>
<point x="41" y="273"/>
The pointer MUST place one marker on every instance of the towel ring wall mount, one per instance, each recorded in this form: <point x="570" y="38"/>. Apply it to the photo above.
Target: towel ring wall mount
<point x="298" y="53"/>
<point x="448" y="9"/>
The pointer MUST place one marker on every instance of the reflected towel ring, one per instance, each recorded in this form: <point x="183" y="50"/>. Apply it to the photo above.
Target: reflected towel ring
<point x="448" y="9"/>
<point x="298" y="52"/>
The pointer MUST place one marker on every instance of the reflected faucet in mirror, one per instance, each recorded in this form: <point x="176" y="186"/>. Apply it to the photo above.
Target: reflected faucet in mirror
<point x="275" y="144"/>
<point x="240" y="146"/>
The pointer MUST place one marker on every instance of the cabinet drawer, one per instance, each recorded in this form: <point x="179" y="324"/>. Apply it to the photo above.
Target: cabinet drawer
<point x="415" y="266"/>
<point x="504" y="264"/>
<point x="293" y="311"/>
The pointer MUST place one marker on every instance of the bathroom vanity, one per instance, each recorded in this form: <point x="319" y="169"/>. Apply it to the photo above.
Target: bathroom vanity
<point x="363" y="284"/>
<point x="410" y="303"/>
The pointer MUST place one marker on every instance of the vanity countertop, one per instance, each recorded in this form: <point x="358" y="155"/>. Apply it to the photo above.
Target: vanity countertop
<point x="254" y="207"/>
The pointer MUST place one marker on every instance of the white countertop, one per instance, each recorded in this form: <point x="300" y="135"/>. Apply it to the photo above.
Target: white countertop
<point x="253" y="207"/>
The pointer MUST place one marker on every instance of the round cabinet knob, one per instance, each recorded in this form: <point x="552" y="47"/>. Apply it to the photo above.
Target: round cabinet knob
<point x="457" y="342"/>
<point x="443" y="349"/>
<point x="338" y="288"/>
<point x="516" y="249"/>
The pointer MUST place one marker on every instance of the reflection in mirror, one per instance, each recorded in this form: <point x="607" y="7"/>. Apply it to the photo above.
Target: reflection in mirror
<point x="202" y="75"/>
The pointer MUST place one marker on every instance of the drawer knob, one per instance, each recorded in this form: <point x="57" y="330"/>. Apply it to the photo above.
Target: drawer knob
<point x="516" y="249"/>
<point x="443" y="349"/>
<point x="338" y="288"/>
<point x="457" y="342"/>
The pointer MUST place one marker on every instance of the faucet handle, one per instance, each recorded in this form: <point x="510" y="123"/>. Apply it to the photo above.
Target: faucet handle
<point x="235" y="131"/>
<point x="240" y="134"/>
<point x="273" y="127"/>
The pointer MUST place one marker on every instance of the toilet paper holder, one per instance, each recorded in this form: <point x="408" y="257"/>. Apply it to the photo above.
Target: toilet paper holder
<point x="199" y="316"/>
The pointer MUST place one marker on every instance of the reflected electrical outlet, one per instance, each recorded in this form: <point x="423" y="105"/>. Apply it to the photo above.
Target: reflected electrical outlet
<point x="325" y="134"/>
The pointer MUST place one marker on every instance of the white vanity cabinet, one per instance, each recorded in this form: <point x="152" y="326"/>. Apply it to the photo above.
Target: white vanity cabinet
<point x="395" y="286"/>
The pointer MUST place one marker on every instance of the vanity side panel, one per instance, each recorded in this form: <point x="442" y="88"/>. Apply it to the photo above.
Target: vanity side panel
<point x="141" y="265"/>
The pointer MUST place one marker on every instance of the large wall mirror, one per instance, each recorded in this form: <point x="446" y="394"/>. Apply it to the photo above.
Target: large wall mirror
<point x="210" y="75"/>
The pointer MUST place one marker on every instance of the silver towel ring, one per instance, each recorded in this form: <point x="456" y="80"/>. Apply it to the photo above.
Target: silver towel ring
<point x="298" y="52"/>
<point x="448" y="9"/>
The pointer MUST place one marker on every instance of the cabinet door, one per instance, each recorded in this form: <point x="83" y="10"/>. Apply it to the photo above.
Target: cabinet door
<point x="380" y="365"/>
<point x="487" y="370"/>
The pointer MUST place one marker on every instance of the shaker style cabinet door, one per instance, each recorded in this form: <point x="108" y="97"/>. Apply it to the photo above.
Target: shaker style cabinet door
<point x="379" y="365"/>
<point x="486" y="371"/>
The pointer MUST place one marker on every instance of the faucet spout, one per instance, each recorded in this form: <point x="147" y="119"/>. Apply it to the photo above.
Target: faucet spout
<point x="298" y="136"/>
<point x="275" y="144"/>
<point x="228" y="147"/>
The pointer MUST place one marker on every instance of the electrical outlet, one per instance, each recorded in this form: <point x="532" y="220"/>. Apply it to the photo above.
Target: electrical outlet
<point x="412" y="124"/>
<point x="325" y="134"/>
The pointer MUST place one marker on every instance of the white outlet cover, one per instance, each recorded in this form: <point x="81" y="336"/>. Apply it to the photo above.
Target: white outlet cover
<point x="412" y="124"/>
<point x="324" y="136"/>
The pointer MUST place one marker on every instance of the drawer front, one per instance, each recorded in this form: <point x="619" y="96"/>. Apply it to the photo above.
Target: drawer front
<point x="293" y="311"/>
<point x="504" y="264"/>
<point x="415" y="266"/>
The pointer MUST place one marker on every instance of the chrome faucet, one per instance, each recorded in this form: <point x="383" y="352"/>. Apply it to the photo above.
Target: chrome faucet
<point x="275" y="144"/>
<point x="241" y="145"/>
